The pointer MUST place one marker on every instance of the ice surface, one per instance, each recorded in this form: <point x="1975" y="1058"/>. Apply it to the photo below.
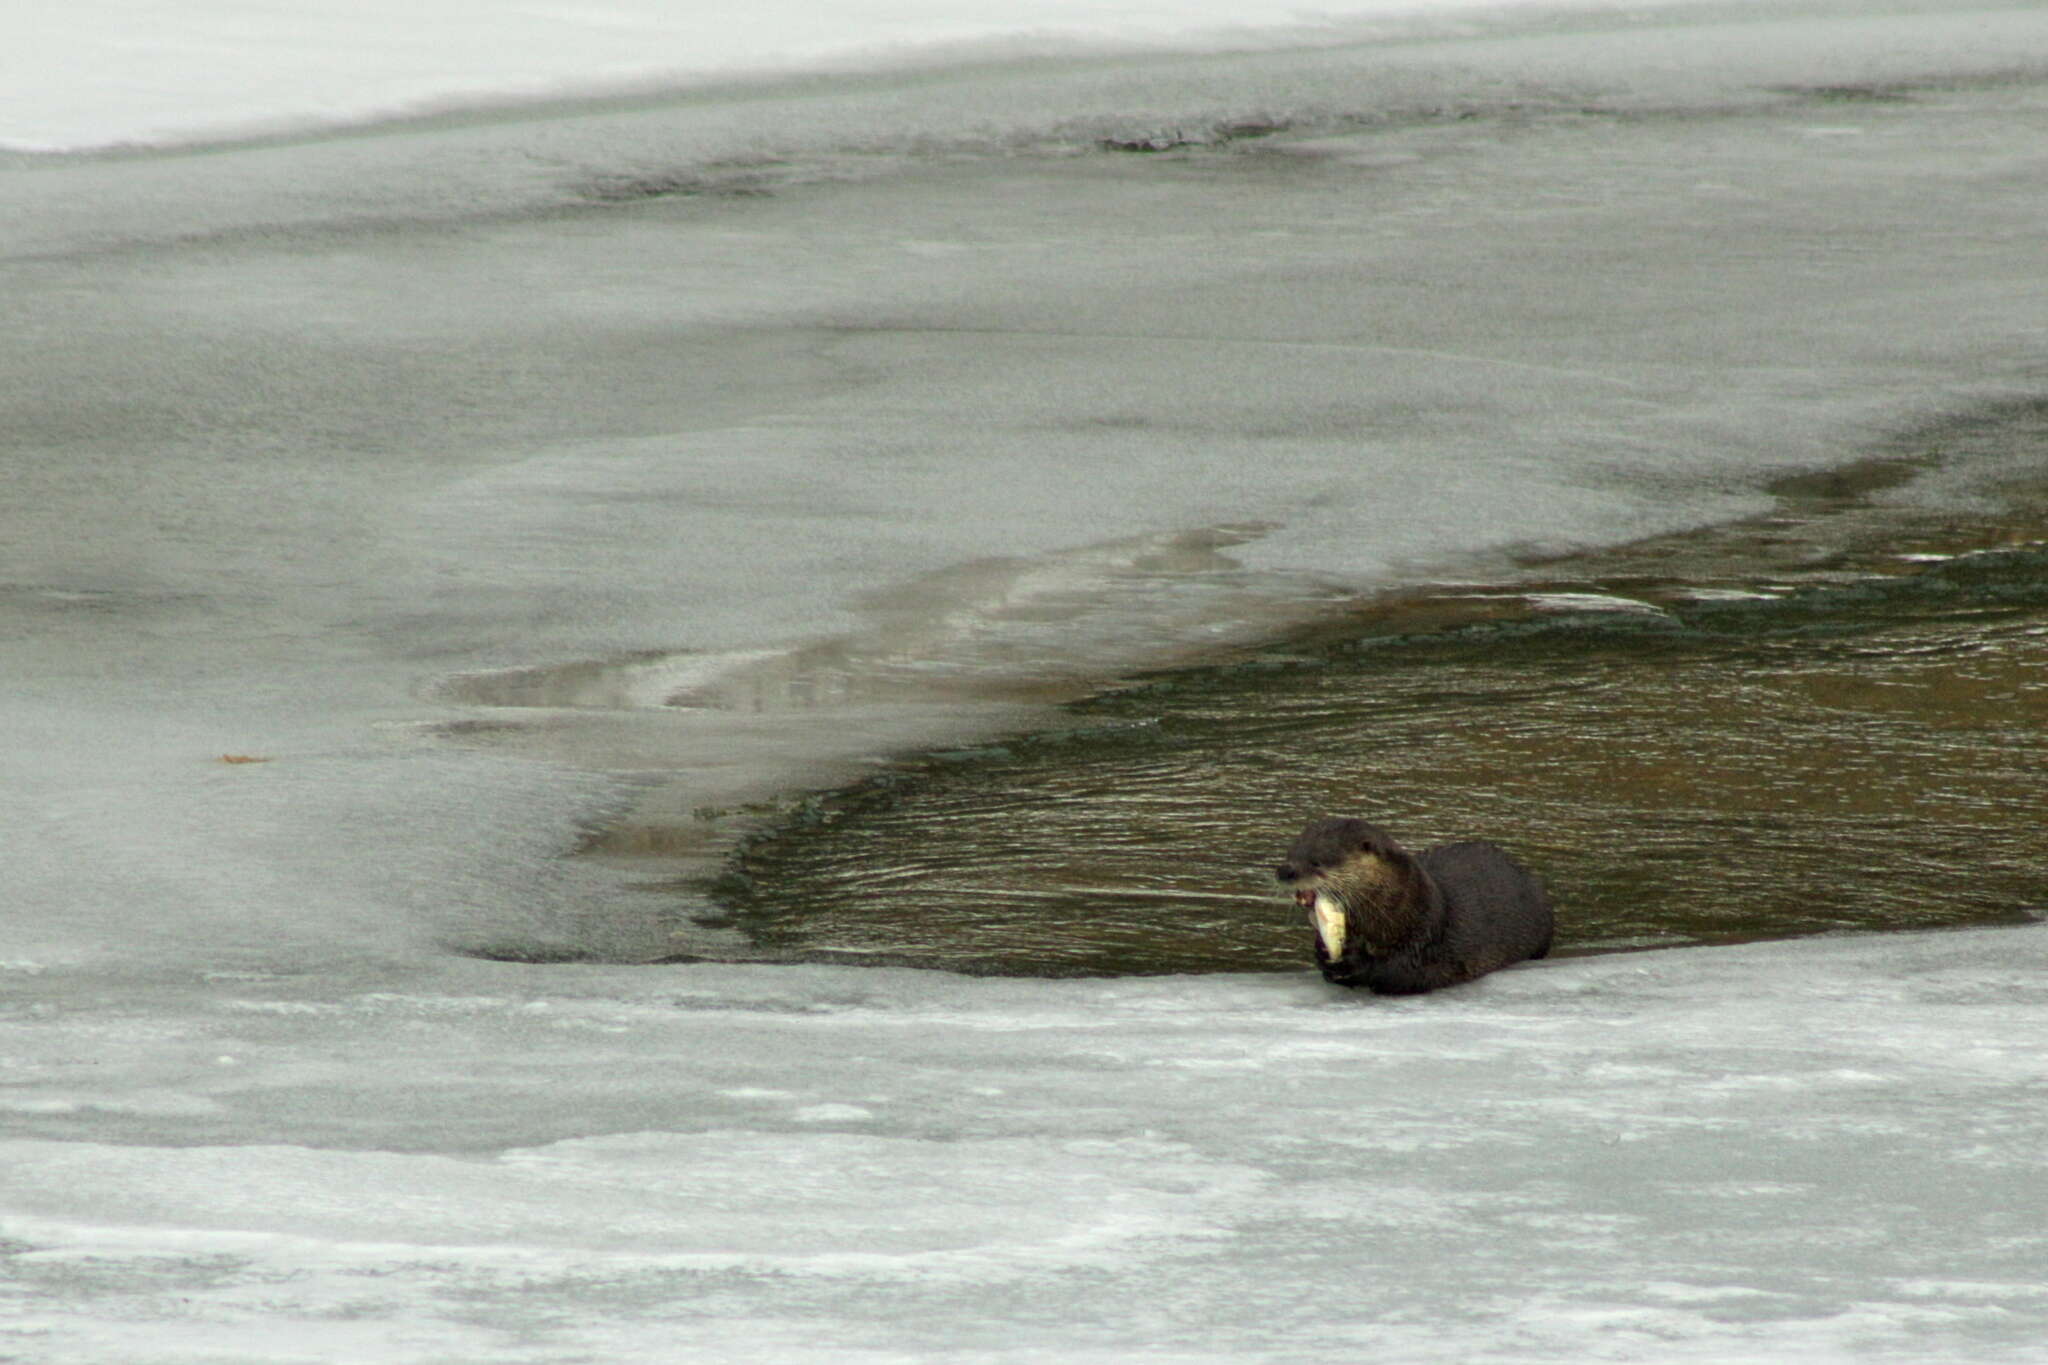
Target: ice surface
<point x="123" y="72"/>
<point x="493" y="483"/>
<point x="1830" y="1147"/>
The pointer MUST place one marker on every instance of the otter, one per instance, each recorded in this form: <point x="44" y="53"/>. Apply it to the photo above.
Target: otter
<point x="1401" y="923"/>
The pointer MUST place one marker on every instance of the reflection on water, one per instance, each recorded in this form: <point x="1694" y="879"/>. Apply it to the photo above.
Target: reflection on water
<point x="1831" y="719"/>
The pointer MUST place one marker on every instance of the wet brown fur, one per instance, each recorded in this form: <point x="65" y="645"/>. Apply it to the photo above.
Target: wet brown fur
<point x="1417" y="921"/>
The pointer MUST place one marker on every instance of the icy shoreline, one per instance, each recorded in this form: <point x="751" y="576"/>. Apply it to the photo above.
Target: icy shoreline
<point x="309" y="438"/>
<point x="1829" y="1146"/>
<point x="494" y="164"/>
<point x="121" y="75"/>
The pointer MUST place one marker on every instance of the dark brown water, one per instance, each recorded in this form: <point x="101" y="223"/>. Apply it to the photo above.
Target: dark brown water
<point x="1833" y="718"/>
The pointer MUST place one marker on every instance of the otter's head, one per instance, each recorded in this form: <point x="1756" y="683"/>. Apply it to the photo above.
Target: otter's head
<point x="1349" y="876"/>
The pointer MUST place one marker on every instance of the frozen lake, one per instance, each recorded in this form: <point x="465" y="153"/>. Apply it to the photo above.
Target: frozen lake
<point x="512" y="484"/>
<point x="1827" y="1147"/>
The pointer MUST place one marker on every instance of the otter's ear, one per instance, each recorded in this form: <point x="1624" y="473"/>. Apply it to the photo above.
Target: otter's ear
<point x="1381" y="845"/>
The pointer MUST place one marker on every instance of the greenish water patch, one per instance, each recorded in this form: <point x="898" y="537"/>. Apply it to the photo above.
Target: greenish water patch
<point x="1830" y="719"/>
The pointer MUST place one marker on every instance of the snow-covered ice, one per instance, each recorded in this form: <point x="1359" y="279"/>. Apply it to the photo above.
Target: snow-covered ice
<point x="1831" y="1148"/>
<point x="141" y="72"/>
<point x="489" y="481"/>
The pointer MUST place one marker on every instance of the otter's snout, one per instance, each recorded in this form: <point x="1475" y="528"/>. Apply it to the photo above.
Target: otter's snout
<point x="1289" y="873"/>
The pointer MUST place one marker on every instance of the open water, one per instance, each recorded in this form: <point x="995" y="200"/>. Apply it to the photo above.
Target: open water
<point x="1832" y="717"/>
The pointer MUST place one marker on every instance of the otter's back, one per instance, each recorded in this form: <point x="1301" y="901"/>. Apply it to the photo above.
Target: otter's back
<point x="1499" y="913"/>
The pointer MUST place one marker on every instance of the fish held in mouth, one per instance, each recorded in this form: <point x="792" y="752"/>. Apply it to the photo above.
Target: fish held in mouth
<point x="1326" y="917"/>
